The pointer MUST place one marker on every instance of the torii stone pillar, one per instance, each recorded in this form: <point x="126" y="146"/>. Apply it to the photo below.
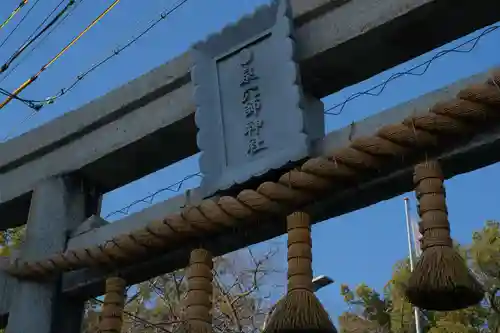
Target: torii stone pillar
<point x="58" y="205"/>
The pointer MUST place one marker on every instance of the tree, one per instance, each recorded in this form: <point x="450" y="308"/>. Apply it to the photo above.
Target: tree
<point x="242" y="289"/>
<point x="370" y="312"/>
<point x="484" y="261"/>
<point x="11" y="239"/>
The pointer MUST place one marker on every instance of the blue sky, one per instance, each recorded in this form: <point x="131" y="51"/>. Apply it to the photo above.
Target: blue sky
<point x="358" y="247"/>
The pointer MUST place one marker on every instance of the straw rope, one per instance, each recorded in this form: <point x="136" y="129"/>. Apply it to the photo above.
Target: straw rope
<point x="299" y="310"/>
<point x="198" y="301"/>
<point x="112" y="308"/>
<point x="432" y="207"/>
<point x="441" y="280"/>
<point x="474" y="108"/>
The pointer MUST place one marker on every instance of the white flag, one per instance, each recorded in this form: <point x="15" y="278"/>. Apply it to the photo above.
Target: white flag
<point x="417" y="236"/>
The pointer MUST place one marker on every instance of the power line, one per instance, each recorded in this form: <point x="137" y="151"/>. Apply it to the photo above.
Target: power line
<point x="412" y="71"/>
<point x="19" y="24"/>
<point x="25" y="119"/>
<point x="382" y="86"/>
<point x="28" y="103"/>
<point x="38" y="104"/>
<point x="30" y="40"/>
<point x="57" y="56"/>
<point x="14" y="12"/>
<point x="97" y="19"/>
<point x="175" y="187"/>
<point x="41" y="41"/>
<point x="47" y="17"/>
<point x="115" y="53"/>
<point x="457" y="49"/>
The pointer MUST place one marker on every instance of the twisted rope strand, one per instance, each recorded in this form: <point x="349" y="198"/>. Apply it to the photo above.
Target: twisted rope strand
<point x="472" y="109"/>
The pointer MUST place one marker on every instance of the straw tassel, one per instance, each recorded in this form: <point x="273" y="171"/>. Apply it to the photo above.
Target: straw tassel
<point x="300" y="310"/>
<point x="199" y="295"/>
<point x="112" y="308"/>
<point x="441" y="280"/>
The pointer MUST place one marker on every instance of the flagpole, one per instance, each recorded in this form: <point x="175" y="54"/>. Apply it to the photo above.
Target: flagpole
<point x="410" y="250"/>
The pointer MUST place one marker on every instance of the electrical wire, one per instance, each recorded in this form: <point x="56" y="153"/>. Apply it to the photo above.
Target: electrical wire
<point x="456" y="49"/>
<point x="14" y="12"/>
<point x="57" y="56"/>
<point x="26" y="83"/>
<point x="19" y="24"/>
<point x="41" y="41"/>
<point x="149" y="199"/>
<point x="115" y="53"/>
<point x="38" y="104"/>
<point x="425" y="65"/>
<point x="31" y="104"/>
<point x="46" y="18"/>
<point x="175" y="187"/>
<point x="31" y="39"/>
<point x="25" y="119"/>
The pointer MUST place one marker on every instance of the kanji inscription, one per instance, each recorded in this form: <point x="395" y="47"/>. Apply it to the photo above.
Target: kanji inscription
<point x="251" y="104"/>
<point x="251" y="112"/>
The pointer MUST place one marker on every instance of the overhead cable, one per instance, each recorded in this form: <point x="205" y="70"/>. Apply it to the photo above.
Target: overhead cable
<point x="31" y="104"/>
<point x="148" y="200"/>
<point x="417" y="70"/>
<point x="19" y="24"/>
<point x="14" y="12"/>
<point x="330" y="111"/>
<point x="31" y="39"/>
<point x="439" y="128"/>
<point x="57" y="56"/>
<point x="38" y="104"/>
<point x="41" y="41"/>
<point x="116" y="52"/>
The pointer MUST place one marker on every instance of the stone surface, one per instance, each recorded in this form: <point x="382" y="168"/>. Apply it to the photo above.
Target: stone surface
<point x="251" y="114"/>
<point x="59" y="204"/>
<point x="134" y="124"/>
<point x="88" y="225"/>
<point x="482" y="150"/>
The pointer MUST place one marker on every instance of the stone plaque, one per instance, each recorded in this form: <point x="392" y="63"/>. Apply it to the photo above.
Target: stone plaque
<point x="252" y="115"/>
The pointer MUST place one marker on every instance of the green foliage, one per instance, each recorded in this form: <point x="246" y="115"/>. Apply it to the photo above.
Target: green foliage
<point x="370" y="313"/>
<point x="369" y="309"/>
<point x="11" y="239"/>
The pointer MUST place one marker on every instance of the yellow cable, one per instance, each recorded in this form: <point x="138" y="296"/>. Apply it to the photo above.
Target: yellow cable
<point x="57" y="56"/>
<point x="17" y="91"/>
<point x="21" y="5"/>
<point x="82" y="33"/>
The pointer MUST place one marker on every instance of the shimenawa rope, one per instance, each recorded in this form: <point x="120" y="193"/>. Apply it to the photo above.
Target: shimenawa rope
<point x="300" y="310"/>
<point x="199" y="296"/>
<point x="112" y="308"/>
<point x="441" y="280"/>
<point x="473" y="109"/>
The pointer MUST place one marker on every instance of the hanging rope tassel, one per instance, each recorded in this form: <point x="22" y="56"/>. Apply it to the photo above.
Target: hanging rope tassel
<point x="441" y="280"/>
<point x="112" y="308"/>
<point x="198" y="301"/>
<point x="300" y="310"/>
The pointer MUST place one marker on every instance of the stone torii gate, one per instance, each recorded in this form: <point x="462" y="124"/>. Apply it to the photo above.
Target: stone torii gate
<point x="57" y="193"/>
